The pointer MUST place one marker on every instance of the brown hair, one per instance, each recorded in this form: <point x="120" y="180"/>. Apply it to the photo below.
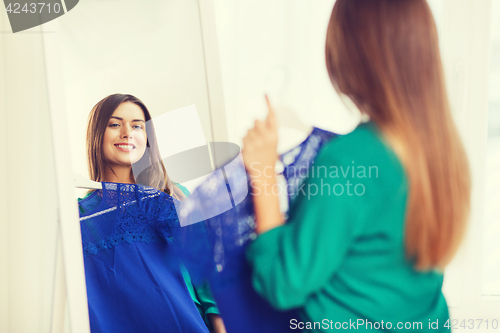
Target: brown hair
<point x="154" y="174"/>
<point x="384" y="55"/>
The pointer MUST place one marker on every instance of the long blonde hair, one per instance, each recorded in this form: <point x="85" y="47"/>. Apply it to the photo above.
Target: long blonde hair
<point x="384" y="55"/>
<point x="155" y="175"/>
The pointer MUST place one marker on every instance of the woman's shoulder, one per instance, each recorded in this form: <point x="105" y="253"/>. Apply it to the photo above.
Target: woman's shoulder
<point x="183" y="189"/>
<point x="365" y="134"/>
<point x="86" y="195"/>
<point x="364" y="144"/>
<point x="366" y="153"/>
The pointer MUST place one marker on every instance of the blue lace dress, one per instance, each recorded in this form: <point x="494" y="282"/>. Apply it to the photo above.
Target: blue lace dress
<point x="133" y="275"/>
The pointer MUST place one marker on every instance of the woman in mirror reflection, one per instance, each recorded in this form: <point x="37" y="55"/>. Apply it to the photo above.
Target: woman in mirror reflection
<point x="373" y="252"/>
<point x="135" y="283"/>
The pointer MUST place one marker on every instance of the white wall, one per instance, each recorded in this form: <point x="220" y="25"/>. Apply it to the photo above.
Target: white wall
<point x="28" y="199"/>
<point x="277" y="48"/>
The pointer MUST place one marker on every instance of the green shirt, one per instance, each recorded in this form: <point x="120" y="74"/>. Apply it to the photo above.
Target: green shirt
<point x="340" y="257"/>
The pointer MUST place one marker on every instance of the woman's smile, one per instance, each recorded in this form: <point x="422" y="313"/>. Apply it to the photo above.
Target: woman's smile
<point x="126" y="147"/>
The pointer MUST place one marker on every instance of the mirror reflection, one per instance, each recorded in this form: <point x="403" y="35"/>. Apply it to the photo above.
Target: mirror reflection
<point x="135" y="90"/>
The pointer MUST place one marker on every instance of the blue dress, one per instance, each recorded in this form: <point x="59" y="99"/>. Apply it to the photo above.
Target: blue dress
<point x="220" y="211"/>
<point x="133" y="274"/>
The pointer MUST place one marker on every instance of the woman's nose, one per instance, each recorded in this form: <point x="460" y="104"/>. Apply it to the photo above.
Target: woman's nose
<point x="126" y="132"/>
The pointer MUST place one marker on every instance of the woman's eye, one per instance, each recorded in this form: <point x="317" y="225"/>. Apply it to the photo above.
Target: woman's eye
<point x="138" y="127"/>
<point x="114" y="125"/>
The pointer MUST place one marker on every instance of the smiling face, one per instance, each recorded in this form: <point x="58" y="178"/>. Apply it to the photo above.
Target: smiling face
<point x="124" y="141"/>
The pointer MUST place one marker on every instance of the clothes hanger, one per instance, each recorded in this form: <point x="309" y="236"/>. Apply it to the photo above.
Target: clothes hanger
<point x="287" y="118"/>
<point x="81" y="182"/>
<point x="276" y="89"/>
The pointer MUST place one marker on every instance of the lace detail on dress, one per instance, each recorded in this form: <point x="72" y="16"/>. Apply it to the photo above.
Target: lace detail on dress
<point x="125" y="213"/>
<point x="111" y="241"/>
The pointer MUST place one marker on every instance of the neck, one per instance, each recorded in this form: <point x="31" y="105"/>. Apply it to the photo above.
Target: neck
<point x="119" y="174"/>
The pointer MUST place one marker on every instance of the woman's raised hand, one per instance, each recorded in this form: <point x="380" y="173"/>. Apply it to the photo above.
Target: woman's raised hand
<point x="260" y="145"/>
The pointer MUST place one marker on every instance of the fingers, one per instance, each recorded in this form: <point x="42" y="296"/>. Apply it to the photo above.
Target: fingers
<point x="262" y="131"/>
<point x="260" y="126"/>
<point x="268" y="103"/>
<point x="271" y="116"/>
<point x="252" y="134"/>
<point x="252" y="137"/>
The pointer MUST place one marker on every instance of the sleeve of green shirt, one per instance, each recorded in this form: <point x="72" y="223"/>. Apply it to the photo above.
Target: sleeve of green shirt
<point x="295" y="260"/>
<point x="202" y="298"/>
<point x="207" y="302"/>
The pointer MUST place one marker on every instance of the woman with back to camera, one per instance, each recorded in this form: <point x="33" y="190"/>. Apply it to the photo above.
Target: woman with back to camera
<point x="135" y="282"/>
<point x="375" y="253"/>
